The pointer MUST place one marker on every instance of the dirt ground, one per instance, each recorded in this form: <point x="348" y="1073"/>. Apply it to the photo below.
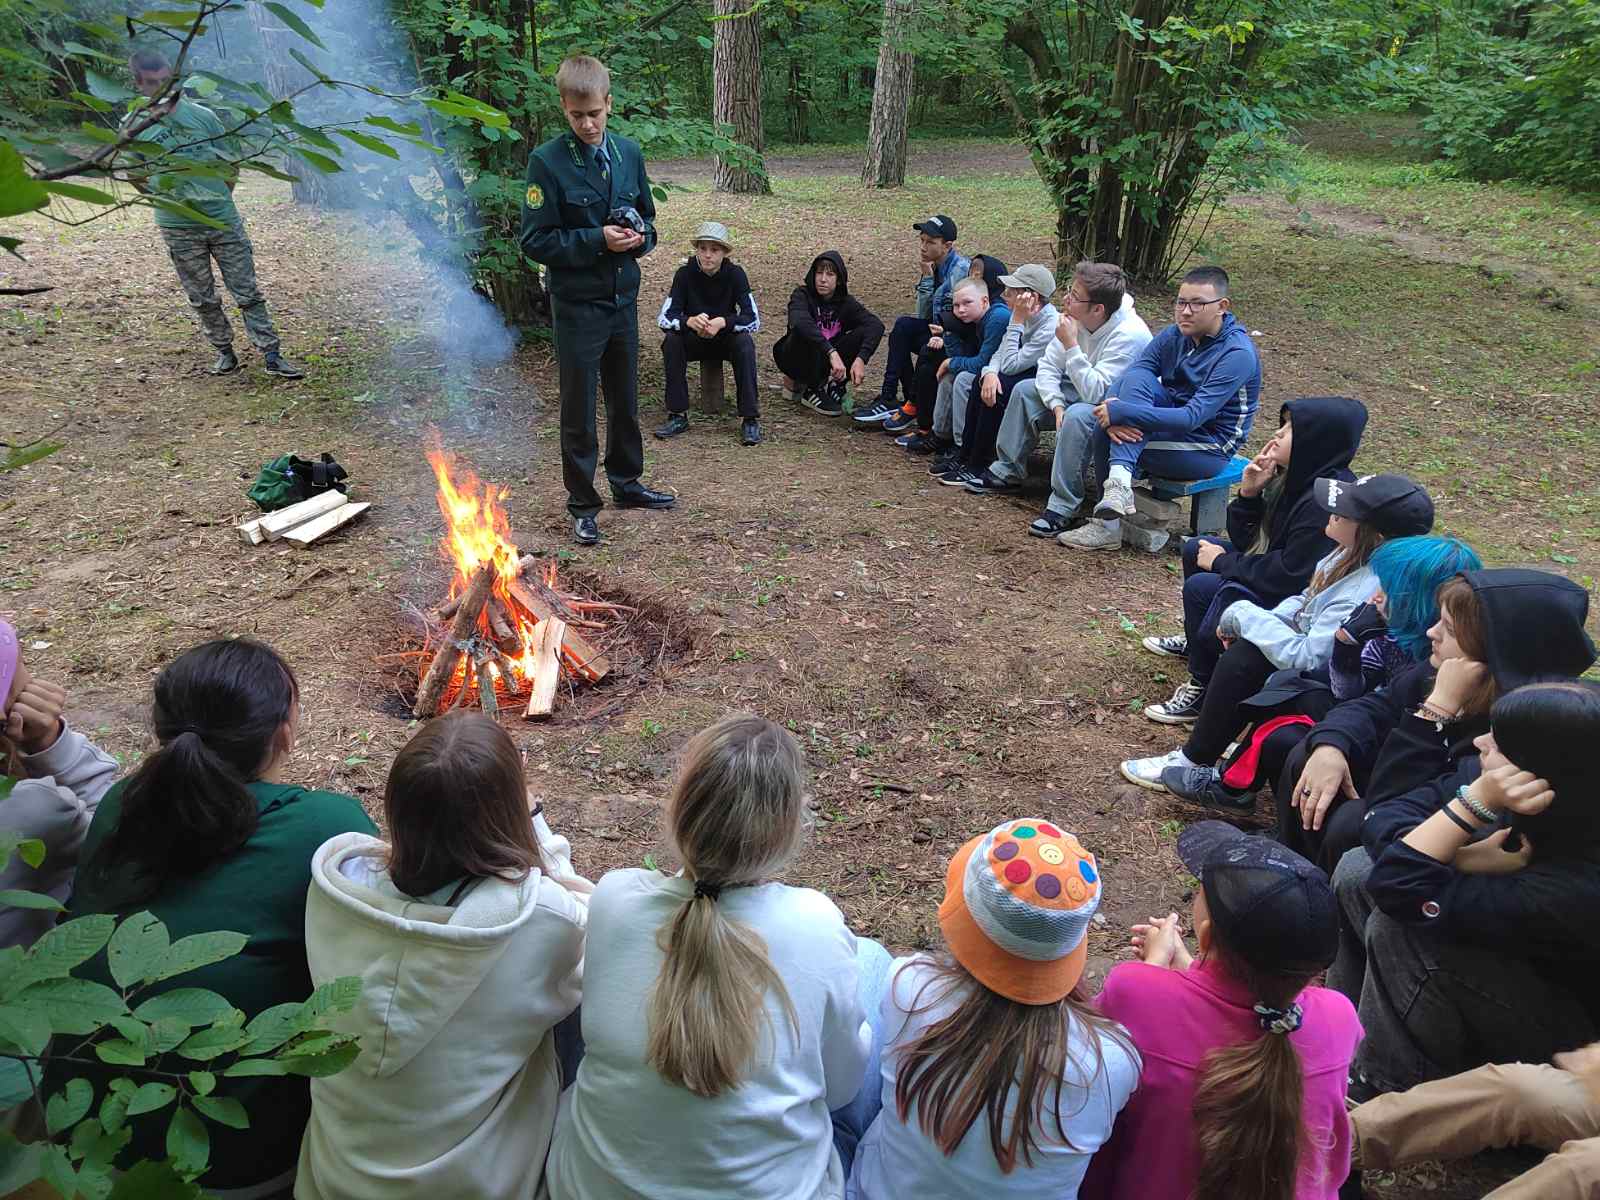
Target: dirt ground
<point x="943" y="670"/>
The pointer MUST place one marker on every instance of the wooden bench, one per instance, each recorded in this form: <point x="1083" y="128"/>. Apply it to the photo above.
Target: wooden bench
<point x="1208" y="498"/>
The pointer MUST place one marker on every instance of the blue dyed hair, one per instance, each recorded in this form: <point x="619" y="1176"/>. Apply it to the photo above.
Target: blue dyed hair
<point x="1411" y="570"/>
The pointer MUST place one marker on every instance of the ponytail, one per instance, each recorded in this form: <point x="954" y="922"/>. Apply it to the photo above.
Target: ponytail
<point x="1247" y="1110"/>
<point x="736" y="816"/>
<point x="217" y="712"/>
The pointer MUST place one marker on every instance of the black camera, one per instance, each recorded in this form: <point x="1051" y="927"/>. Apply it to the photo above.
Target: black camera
<point x="628" y="218"/>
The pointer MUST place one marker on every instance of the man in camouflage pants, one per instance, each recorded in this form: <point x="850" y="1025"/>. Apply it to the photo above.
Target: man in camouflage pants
<point x="192" y="131"/>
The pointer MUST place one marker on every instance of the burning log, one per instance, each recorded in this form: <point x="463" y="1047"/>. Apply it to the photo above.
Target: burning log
<point x="575" y="652"/>
<point x="547" y="668"/>
<point x="505" y="633"/>
<point x="449" y="654"/>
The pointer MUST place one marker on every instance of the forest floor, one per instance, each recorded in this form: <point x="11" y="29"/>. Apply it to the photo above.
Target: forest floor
<point x="943" y="670"/>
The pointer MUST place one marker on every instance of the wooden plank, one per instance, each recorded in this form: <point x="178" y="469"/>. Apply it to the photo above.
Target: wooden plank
<point x="546" y="668"/>
<point x="250" y="531"/>
<point x="275" y="524"/>
<point x="317" y="527"/>
<point x="577" y="653"/>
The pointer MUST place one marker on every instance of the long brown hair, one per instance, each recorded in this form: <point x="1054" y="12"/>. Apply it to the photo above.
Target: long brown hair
<point x="963" y="1067"/>
<point x="1248" y="1120"/>
<point x="457" y="807"/>
<point x="1352" y="560"/>
<point x="736" y="816"/>
<point x="1457" y="598"/>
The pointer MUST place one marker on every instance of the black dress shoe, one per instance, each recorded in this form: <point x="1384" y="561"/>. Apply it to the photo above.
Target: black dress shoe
<point x="750" y="432"/>
<point x="636" y="495"/>
<point x="586" y="531"/>
<point x="676" y="423"/>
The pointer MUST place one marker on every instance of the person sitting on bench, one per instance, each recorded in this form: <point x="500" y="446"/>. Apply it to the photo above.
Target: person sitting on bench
<point x="710" y="315"/>
<point x="1181" y="411"/>
<point x="830" y="338"/>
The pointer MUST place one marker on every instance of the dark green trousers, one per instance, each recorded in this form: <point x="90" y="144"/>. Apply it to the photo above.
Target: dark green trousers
<point x="597" y="345"/>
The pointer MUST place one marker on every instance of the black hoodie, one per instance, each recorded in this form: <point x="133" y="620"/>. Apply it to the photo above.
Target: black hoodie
<point x="726" y="294"/>
<point x="820" y="321"/>
<point x="1327" y="434"/>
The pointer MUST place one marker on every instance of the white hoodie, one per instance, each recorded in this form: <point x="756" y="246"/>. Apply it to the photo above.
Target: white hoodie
<point x="1088" y="370"/>
<point x="454" y="1093"/>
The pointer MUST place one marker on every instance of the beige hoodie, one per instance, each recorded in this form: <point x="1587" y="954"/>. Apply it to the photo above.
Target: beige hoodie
<point x="454" y="1093"/>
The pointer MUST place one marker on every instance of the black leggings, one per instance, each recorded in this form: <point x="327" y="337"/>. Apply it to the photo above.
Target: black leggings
<point x="983" y="421"/>
<point x="806" y="362"/>
<point x="1238" y="675"/>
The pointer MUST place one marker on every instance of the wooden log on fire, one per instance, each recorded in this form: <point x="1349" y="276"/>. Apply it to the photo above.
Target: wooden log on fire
<point x="547" y="667"/>
<point x="578" y="654"/>
<point x="486" y="699"/>
<point x="505" y="633"/>
<point x="443" y="666"/>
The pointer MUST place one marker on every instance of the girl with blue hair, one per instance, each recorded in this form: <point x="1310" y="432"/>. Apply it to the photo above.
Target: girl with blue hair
<point x="1381" y="637"/>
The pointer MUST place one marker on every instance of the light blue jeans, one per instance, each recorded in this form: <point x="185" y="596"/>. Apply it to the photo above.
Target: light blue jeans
<point x="850" y="1121"/>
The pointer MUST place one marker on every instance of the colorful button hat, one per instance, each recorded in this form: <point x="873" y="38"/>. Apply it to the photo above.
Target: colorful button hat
<point x="1017" y="906"/>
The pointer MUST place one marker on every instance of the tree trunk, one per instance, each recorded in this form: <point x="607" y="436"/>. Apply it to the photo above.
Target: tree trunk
<point x="891" y="100"/>
<point x="736" y="71"/>
<point x="282" y="76"/>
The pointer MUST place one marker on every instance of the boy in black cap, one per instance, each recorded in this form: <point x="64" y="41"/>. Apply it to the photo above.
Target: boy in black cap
<point x="942" y="269"/>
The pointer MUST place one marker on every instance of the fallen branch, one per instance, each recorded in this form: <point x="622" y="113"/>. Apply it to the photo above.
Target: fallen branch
<point x="444" y="662"/>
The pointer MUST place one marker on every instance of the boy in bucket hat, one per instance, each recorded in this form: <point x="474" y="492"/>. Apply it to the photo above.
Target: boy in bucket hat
<point x="1000" y="1019"/>
<point x="710" y="315"/>
<point x="1245" y="1063"/>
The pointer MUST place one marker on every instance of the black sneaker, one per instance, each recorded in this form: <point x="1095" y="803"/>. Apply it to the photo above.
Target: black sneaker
<point x="676" y="423"/>
<point x="227" y="363"/>
<point x="1202" y="785"/>
<point x="1183" y="708"/>
<point x="811" y="397"/>
<point x="875" y="413"/>
<point x="985" y="483"/>
<point x="958" y="476"/>
<point x="1049" y="523"/>
<point x="919" y="443"/>
<point x="900" y="421"/>
<point x="1168" y="647"/>
<point x="750" y="432"/>
<point x="944" y="462"/>
<point x="277" y="364"/>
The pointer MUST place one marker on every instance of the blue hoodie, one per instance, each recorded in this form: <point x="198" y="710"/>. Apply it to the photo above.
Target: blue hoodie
<point x="1213" y="388"/>
<point x="991" y="332"/>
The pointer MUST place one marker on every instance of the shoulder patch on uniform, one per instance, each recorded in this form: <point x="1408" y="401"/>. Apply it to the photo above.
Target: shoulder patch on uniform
<point x="535" y="196"/>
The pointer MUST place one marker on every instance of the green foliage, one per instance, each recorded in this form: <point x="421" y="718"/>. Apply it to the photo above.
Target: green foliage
<point x="174" y="1044"/>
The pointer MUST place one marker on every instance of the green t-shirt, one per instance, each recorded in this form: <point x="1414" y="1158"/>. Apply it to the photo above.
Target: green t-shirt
<point x="184" y="131"/>
<point x="259" y="890"/>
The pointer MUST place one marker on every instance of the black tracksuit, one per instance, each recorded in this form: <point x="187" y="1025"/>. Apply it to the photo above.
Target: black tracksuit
<point x="818" y="327"/>
<point x="727" y="295"/>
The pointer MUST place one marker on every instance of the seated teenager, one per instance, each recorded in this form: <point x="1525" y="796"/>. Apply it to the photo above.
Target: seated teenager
<point x="1242" y="1096"/>
<point x="1477" y="922"/>
<point x="1277" y="534"/>
<point x="208" y="835"/>
<point x="1497" y="630"/>
<point x="1181" y="411"/>
<point x="1378" y="641"/>
<point x="1295" y="634"/>
<point x="1554" y="1108"/>
<point x="466" y="929"/>
<point x="830" y="338"/>
<point x="949" y="414"/>
<point x="999" y="1078"/>
<point x="1030" y="334"/>
<point x="910" y="423"/>
<point x="1097" y="336"/>
<point x="942" y="268"/>
<point x="59" y="778"/>
<point x="722" y="1020"/>
<point x="709" y="316"/>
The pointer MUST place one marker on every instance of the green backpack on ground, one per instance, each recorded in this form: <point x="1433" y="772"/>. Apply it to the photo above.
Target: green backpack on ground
<point x="289" y="479"/>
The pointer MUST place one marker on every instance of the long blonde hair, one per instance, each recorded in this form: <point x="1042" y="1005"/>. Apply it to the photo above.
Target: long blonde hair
<point x="736" y="817"/>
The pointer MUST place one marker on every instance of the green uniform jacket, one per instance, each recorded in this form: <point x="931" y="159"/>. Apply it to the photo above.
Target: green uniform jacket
<point x="565" y="205"/>
<point x="259" y="890"/>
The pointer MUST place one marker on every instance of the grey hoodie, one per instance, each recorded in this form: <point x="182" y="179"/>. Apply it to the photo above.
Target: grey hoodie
<point x="1087" y="371"/>
<point x="1024" y="343"/>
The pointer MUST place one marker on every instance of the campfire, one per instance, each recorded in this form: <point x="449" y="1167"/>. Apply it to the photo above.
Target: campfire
<point x="507" y="632"/>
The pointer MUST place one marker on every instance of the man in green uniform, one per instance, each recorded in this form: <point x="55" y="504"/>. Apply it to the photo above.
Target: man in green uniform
<point x="192" y="132"/>
<point x="577" y="182"/>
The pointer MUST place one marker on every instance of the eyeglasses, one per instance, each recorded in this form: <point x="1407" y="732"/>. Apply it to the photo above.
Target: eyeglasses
<point x="1183" y="305"/>
<point x="1077" y="299"/>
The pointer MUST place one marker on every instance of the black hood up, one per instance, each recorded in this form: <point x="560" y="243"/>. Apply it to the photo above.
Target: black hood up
<point x="993" y="268"/>
<point x="1533" y="624"/>
<point x="842" y="291"/>
<point x="1327" y="434"/>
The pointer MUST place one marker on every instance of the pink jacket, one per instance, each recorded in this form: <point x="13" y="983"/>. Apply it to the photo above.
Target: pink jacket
<point x="1176" y="1019"/>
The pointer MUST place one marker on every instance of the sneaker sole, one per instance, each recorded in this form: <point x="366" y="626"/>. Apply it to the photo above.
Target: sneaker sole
<point x="875" y="419"/>
<point x="1150" y="785"/>
<point x="1110" y="512"/>
<point x="1168" y="719"/>
<point x="1160" y="651"/>
<point x="1052" y="534"/>
<point x="1116" y="545"/>
<point x="960" y="483"/>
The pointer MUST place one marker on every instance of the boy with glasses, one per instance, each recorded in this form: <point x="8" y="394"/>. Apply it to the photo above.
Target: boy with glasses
<point x="1181" y="411"/>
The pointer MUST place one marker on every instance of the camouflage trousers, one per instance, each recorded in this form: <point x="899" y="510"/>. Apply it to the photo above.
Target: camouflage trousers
<point x="192" y="248"/>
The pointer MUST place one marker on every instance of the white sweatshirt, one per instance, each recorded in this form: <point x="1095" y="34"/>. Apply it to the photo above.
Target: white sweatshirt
<point x="1298" y="633"/>
<point x="455" y="1090"/>
<point x="1024" y="343"/>
<point x="625" y="1133"/>
<point x="1087" y="371"/>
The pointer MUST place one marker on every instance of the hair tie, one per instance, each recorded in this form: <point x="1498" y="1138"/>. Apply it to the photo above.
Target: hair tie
<point x="1280" y="1020"/>
<point x="709" y="890"/>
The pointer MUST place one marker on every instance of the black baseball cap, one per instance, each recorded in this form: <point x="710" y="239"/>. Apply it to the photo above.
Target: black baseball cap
<point x="1272" y="907"/>
<point x="940" y="226"/>
<point x="1391" y="504"/>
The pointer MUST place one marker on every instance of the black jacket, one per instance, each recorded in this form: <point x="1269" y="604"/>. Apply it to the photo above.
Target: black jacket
<point x="810" y="315"/>
<point x="1327" y="434"/>
<point x="726" y="294"/>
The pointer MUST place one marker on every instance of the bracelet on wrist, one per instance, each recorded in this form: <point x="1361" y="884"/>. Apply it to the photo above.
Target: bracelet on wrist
<point x="1476" y="807"/>
<point x="1464" y="825"/>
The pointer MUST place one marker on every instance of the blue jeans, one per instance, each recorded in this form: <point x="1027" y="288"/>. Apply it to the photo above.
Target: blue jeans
<point x="850" y="1122"/>
<point x="1206" y="597"/>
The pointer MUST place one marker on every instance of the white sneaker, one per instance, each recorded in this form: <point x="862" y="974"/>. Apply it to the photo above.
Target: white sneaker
<point x="1116" y="500"/>
<point x="1092" y="535"/>
<point x="1146" y="772"/>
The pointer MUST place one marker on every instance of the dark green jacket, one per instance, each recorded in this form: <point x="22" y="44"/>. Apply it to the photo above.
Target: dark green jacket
<point x="565" y="205"/>
<point x="259" y="890"/>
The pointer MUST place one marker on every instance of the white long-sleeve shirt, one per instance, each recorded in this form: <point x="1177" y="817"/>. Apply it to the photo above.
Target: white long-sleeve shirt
<point x="1087" y="371"/>
<point x="625" y="1133"/>
<point x="1024" y="343"/>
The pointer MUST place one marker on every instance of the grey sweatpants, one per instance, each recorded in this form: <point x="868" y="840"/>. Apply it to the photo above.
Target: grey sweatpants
<point x="1025" y="417"/>
<point x="192" y="248"/>
<point x="950" y="406"/>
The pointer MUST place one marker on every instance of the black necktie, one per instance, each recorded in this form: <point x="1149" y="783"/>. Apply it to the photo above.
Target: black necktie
<point x="603" y="160"/>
